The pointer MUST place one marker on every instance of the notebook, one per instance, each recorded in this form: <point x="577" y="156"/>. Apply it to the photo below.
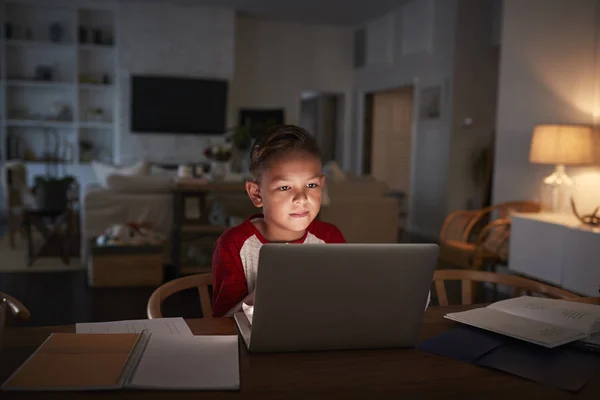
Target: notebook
<point x="542" y="321"/>
<point x="99" y="361"/>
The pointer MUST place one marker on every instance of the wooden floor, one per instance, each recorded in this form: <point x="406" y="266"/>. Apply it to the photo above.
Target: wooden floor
<point x="57" y="298"/>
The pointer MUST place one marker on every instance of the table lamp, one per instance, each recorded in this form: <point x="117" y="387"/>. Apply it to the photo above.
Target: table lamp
<point x="560" y="145"/>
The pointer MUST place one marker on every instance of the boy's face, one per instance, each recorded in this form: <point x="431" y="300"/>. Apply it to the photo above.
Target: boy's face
<point x="290" y="193"/>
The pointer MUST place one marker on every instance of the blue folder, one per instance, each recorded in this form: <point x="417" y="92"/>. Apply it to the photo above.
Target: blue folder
<point x="563" y="367"/>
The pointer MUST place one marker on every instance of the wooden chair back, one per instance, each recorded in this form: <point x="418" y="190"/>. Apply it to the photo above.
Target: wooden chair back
<point x="587" y="300"/>
<point x="11" y="308"/>
<point x="467" y="277"/>
<point x="200" y="281"/>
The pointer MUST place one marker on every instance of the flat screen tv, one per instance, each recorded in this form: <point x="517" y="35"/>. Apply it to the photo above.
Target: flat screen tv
<point x="161" y="104"/>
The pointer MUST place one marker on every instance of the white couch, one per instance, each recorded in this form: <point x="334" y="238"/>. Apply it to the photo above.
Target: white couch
<point x="359" y="206"/>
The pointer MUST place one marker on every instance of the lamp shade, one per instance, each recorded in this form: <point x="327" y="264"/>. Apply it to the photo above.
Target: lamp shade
<point x="562" y="144"/>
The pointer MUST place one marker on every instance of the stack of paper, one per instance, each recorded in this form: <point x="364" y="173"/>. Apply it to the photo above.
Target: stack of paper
<point x="546" y="322"/>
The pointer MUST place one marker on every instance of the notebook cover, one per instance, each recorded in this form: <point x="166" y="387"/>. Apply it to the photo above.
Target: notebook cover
<point x="70" y="361"/>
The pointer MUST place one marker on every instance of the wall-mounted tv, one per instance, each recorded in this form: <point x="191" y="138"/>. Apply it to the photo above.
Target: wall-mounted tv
<point x="165" y="104"/>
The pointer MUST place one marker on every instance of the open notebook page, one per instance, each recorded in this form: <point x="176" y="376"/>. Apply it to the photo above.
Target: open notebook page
<point x="579" y="316"/>
<point x="181" y="362"/>
<point x="163" y="326"/>
<point x="538" y="332"/>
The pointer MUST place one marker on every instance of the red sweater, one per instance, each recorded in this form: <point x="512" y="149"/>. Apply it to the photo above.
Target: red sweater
<point x="235" y="260"/>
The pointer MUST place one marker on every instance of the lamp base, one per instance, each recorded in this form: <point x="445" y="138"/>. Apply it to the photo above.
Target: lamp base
<point x="556" y="191"/>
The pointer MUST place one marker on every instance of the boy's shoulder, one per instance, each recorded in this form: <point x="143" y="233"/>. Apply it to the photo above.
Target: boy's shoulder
<point x="326" y="231"/>
<point x="237" y="235"/>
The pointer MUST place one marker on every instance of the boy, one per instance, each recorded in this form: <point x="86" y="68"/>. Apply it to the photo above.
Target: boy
<point x="287" y="182"/>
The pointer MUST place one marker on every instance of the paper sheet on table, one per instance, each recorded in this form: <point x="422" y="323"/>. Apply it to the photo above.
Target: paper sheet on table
<point x="200" y="362"/>
<point x="249" y="311"/>
<point x="161" y="326"/>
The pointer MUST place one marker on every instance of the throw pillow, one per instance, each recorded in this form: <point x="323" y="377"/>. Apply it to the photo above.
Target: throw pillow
<point x="140" y="184"/>
<point x="103" y="171"/>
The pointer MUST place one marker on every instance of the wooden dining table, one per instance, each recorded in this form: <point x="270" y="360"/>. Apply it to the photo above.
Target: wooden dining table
<point x="360" y="374"/>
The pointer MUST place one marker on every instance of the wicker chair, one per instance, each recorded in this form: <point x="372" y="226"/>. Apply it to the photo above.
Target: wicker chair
<point x="470" y="239"/>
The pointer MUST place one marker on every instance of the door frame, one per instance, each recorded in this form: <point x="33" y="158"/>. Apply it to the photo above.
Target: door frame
<point x="363" y="99"/>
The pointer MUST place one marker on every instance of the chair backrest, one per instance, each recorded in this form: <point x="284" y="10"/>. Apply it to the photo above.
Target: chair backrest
<point x="201" y="281"/>
<point x="521" y="285"/>
<point x="14" y="181"/>
<point x="502" y="210"/>
<point x="11" y="307"/>
<point x="587" y="300"/>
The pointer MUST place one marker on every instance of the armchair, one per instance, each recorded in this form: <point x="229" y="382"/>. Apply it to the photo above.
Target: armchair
<point x="471" y="239"/>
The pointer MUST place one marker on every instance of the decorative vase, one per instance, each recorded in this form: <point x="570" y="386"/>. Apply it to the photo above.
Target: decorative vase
<point x="219" y="169"/>
<point x="240" y="160"/>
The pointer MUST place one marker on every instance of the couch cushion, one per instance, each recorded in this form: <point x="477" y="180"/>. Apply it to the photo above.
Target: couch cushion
<point x="139" y="184"/>
<point x="103" y="171"/>
<point x="356" y="188"/>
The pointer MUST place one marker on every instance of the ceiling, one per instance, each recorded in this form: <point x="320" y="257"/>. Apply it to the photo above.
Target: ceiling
<point x="337" y="12"/>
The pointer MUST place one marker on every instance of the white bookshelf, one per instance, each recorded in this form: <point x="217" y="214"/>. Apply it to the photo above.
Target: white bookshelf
<point x="82" y="79"/>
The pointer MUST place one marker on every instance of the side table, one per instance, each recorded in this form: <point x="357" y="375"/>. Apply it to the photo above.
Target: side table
<point x="195" y="191"/>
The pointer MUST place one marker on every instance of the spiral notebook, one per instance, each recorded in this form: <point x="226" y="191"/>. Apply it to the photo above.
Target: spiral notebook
<point x="81" y="362"/>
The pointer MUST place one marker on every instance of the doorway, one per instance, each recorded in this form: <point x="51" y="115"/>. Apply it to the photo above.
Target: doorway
<point x="321" y="113"/>
<point x="387" y="146"/>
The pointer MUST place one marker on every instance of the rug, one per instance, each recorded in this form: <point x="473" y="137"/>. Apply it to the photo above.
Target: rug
<point x="15" y="260"/>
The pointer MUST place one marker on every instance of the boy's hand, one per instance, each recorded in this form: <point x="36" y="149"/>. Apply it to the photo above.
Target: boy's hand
<point x="249" y="300"/>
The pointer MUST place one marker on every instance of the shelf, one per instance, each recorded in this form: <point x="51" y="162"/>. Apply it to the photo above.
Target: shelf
<point x="46" y="162"/>
<point x="40" y="44"/>
<point x="39" y="123"/>
<point x="96" y="124"/>
<point x="80" y="66"/>
<point x="93" y="86"/>
<point x="38" y="84"/>
<point x="190" y="228"/>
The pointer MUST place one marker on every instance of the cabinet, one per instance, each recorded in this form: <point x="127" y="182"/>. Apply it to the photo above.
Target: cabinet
<point x="59" y="81"/>
<point x="558" y="249"/>
<point x="191" y="218"/>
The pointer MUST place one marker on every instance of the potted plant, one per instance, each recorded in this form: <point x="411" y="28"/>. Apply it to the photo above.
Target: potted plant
<point x="242" y="138"/>
<point x="220" y="156"/>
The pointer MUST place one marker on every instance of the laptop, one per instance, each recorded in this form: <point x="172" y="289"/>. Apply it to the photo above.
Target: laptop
<point x="338" y="296"/>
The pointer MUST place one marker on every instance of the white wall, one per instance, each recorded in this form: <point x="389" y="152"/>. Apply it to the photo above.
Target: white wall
<point x="476" y="62"/>
<point x="162" y="38"/>
<point x="431" y="63"/>
<point x="276" y="61"/>
<point x="548" y="74"/>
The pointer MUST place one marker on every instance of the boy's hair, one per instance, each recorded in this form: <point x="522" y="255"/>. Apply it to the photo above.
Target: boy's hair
<point x="278" y="141"/>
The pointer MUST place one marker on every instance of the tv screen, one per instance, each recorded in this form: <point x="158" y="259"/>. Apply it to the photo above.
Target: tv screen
<point x="161" y="104"/>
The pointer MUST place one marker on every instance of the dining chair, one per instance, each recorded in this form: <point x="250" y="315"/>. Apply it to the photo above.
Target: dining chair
<point x="587" y="300"/>
<point x="519" y="284"/>
<point x="200" y="281"/>
<point x="11" y="308"/>
<point x="14" y="185"/>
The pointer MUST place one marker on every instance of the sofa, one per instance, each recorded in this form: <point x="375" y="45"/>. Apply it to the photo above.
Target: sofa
<point x="359" y="206"/>
<point x="362" y="208"/>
